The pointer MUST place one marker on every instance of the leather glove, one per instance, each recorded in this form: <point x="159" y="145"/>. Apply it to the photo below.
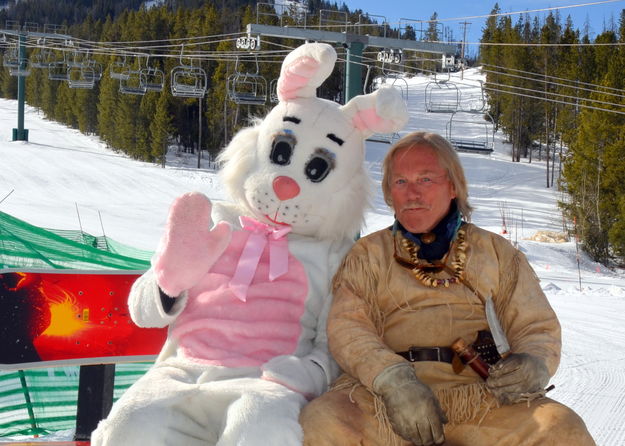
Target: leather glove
<point x="188" y="249"/>
<point x="517" y="377"/>
<point x="412" y="408"/>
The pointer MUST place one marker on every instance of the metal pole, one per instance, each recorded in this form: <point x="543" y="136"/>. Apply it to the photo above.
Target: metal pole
<point x="20" y="133"/>
<point x="199" y="143"/>
<point x="29" y="405"/>
<point x="353" y="70"/>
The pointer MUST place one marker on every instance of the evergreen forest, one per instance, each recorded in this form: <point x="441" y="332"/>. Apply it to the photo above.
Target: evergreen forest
<point x="559" y="95"/>
<point x="554" y="90"/>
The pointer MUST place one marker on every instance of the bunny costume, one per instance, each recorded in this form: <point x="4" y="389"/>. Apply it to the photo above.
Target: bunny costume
<point x="246" y="299"/>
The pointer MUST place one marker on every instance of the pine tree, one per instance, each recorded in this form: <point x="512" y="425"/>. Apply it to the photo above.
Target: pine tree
<point x="160" y="129"/>
<point x="219" y="124"/>
<point x="8" y="84"/>
<point x="431" y="34"/>
<point x="568" y="68"/>
<point x="490" y="57"/>
<point x="107" y="108"/>
<point x="548" y="57"/>
<point x="125" y="120"/>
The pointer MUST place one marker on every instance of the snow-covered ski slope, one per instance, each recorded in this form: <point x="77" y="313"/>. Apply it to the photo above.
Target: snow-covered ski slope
<point x="60" y="171"/>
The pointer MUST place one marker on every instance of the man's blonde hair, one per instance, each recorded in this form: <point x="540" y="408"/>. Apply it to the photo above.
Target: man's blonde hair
<point x="448" y="159"/>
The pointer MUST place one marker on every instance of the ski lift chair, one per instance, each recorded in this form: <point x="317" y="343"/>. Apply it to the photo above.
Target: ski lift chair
<point x="441" y="96"/>
<point x="79" y="59"/>
<point x="10" y="59"/>
<point x="16" y="66"/>
<point x="42" y="59"/>
<point x="273" y="91"/>
<point x="474" y="103"/>
<point x="152" y="79"/>
<point x="95" y="69"/>
<point x="479" y="144"/>
<point x="81" y="77"/>
<point x="21" y="71"/>
<point x="118" y="69"/>
<point x="188" y="81"/>
<point x="58" y="70"/>
<point x="130" y="82"/>
<point x="247" y="88"/>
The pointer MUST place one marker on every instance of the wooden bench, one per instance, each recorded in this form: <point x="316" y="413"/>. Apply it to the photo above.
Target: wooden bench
<point x="78" y="318"/>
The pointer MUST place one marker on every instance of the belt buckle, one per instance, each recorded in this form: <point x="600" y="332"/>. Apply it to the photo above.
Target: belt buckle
<point x="438" y="353"/>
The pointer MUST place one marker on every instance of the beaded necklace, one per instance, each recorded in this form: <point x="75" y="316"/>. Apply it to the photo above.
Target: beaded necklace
<point x="420" y="269"/>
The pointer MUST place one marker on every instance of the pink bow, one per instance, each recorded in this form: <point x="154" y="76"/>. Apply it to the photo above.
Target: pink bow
<point x="260" y="234"/>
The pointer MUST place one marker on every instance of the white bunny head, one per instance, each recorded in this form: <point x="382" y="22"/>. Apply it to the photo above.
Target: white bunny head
<point x="303" y="165"/>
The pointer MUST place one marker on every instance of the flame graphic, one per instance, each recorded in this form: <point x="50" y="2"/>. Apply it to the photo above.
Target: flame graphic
<point x="64" y="316"/>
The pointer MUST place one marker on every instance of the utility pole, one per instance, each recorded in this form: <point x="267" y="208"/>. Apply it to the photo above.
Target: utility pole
<point x="464" y="40"/>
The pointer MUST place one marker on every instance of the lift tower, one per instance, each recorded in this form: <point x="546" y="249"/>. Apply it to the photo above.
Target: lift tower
<point x="18" y="66"/>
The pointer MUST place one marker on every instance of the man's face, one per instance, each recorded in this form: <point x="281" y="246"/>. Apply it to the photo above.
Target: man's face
<point x="420" y="188"/>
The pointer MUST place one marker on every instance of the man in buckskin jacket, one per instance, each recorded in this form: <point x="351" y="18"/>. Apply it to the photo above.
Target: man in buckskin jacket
<point x="404" y="294"/>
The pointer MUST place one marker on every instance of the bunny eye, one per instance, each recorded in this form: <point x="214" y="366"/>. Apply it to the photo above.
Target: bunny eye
<point x="282" y="149"/>
<point x="319" y="166"/>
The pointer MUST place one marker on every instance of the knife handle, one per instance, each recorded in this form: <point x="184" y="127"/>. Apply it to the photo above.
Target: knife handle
<point x="470" y="357"/>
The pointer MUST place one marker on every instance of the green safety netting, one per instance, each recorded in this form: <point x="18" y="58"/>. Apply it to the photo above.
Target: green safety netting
<point x="23" y="245"/>
<point x="40" y="401"/>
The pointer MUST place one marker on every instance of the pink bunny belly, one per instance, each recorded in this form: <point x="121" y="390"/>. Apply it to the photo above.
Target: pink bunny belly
<point x="218" y="328"/>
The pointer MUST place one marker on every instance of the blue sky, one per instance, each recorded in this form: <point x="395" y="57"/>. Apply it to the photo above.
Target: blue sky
<point x="394" y="10"/>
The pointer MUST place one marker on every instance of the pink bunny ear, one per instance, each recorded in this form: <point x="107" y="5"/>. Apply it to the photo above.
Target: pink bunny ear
<point x="383" y="111"/>
<point x="304" y="69"/>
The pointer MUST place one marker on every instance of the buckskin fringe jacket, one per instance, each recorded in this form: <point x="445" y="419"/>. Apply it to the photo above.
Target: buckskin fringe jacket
<point x="380" y="308"/>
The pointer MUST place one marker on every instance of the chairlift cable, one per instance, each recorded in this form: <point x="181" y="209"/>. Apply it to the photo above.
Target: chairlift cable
<point x="527" y="11"/>
<point x="553" y="94"/>
<point x="177" y="39"/>
<point x="557" y="84"/>
<point x="538" y="75"/>
<point x="607" y="110"/>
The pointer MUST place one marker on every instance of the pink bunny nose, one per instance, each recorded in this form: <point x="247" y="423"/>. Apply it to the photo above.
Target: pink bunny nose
<point x="285" y="188"/>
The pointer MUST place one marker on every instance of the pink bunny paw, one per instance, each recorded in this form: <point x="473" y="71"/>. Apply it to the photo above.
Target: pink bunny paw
<point x="188" y="249"/>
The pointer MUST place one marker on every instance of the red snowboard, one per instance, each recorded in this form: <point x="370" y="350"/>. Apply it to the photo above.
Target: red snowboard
<point x="70" y="317"/>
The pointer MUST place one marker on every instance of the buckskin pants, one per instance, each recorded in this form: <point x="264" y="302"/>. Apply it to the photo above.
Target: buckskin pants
<point x="347" y="417"/>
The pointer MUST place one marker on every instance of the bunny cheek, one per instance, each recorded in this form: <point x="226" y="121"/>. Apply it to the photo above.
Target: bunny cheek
<point x="263" y="200"/>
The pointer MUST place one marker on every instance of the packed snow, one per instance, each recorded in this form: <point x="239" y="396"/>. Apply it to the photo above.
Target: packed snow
<point x="66" y="180"/>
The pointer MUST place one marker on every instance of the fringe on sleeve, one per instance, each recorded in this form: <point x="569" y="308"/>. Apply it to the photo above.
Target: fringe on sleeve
<point x="360" y="276"/>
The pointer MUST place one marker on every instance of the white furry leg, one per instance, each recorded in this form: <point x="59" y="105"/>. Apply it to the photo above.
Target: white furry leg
<point x="266" y="413"/>
<point x="163" y="408"/>
<point x="172" y="405"/>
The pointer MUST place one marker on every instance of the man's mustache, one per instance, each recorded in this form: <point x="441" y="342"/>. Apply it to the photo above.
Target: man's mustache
<point x="415" y="204"/>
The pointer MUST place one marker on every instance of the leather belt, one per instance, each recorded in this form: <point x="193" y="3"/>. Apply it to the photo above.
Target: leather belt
<point x="438" y="354"/>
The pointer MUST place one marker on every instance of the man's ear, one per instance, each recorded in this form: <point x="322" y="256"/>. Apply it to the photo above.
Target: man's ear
<point x="454" y="194"/>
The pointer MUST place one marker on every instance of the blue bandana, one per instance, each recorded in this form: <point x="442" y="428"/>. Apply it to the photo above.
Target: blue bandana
<point x="445" y="233"/>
